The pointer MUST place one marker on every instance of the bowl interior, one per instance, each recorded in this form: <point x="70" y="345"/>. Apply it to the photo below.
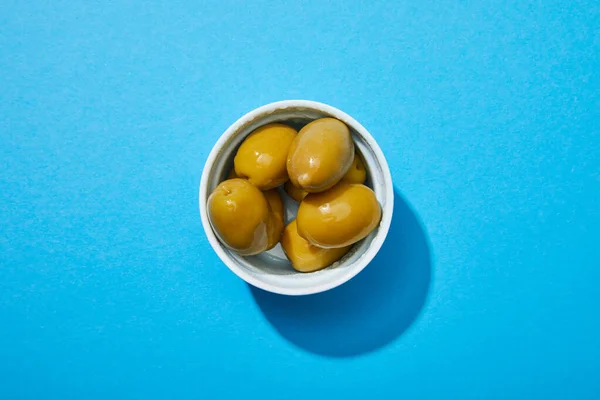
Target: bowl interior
<point x="271" y="270"/>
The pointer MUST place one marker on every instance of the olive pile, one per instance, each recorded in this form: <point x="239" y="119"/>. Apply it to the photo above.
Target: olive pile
<point x="319" y="168"/>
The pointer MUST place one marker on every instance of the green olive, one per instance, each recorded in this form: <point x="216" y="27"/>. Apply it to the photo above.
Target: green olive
<point x="276" y="213"/>
<point x="339" y="216"/>
<point x="357" y="173"/>
<point x="262" y="156"/>
<point x="320" y="155"/>
<point x="304" y="256"/>
<point x="239" y="215"/>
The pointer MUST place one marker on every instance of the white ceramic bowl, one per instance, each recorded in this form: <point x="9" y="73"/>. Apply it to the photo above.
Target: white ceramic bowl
<point x="271" y="270"/>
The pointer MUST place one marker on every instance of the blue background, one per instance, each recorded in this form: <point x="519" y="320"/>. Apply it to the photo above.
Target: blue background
<point x="487" y="287"/>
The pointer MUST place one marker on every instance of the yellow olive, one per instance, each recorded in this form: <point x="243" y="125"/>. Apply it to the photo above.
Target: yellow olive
<point x="239" y="215"/>
<point x="294" y="192"/>
<point x="339" y="216"/>
<point x="275" y="224"/>
<point x="262" y="156"/>
<point x="304" y="256"/>
<point x="357" y="172"/>
<point x="276" y="213"/>
<point x="320" y="155"/>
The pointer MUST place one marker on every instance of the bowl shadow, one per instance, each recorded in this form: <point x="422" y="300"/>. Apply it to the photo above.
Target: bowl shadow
<point x="372" y="309"/>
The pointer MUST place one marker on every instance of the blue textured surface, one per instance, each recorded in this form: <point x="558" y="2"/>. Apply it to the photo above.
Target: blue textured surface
<point x="488" y="112"/>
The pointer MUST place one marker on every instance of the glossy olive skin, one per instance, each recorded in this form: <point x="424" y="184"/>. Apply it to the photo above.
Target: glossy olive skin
<point x="239" y="215"/>
<point x="338" y="217"/>
<point x="262" y="156"/>
<point x="276" y="222"/>
<point x="294" y="192"/>
<point x="357" y="173"/>
<point x="320" y="155"/>
<point x="304" y="256"/>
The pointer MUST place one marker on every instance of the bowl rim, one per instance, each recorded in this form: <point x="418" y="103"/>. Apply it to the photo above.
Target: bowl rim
<point x="377" y="241"/>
